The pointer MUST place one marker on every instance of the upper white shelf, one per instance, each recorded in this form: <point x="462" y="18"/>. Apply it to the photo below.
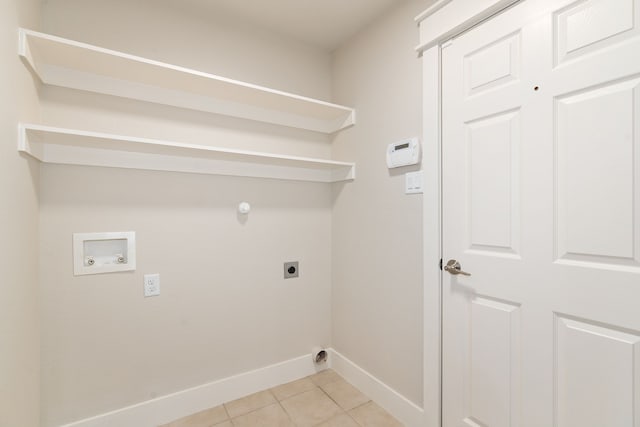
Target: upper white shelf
<point x="62" y="62"/>
<point x="76" y="147"/>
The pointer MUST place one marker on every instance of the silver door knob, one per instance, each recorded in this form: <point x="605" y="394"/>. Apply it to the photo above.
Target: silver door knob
<point x="455" y="268"/>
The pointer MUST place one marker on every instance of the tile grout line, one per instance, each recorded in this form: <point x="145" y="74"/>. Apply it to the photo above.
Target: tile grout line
<point x="359" y="406"/>
<point x="227" y="412"/>
<point x="319" y="387"/>
<point x="287" y="413"/>
<point x="256" y="409"/>
<point x="278" y="401"/>
<point x="295" y="394"/>
<point x="340" y="406"/>
<point x="344" y="411"/>
<point x="329" y="396"/>
<point x="316" y="386"/>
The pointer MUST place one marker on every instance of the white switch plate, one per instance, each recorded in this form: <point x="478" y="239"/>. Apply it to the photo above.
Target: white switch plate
<point x="151" y="285"/>
<point x="413" y="182"/>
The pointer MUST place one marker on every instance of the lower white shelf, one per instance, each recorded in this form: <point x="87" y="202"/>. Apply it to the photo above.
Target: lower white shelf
<point x="76" y="147"/>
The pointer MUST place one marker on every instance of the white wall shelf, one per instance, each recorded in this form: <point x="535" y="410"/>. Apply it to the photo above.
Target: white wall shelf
<point x="75" y="147"/>
<point x="67" y="63"/>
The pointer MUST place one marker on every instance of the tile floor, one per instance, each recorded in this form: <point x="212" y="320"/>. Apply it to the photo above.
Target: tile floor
<point x="324" y="400"/>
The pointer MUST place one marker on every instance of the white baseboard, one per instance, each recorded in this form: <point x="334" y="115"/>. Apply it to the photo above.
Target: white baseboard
<point x="186" y="402"/>
<point x="407" y="412"/>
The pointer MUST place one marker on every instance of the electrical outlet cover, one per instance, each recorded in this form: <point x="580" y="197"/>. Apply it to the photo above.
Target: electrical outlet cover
<point x="151" y="285"/>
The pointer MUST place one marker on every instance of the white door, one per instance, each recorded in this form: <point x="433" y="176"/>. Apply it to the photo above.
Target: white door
<point x="541" y="205"/>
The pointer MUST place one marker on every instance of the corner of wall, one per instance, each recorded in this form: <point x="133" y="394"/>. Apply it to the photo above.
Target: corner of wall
<point x="377" y="229"/>
<point x="19" y="308"/>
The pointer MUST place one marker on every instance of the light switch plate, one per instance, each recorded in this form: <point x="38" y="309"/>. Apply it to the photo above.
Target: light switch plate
<point x="151" y="285"/>
<point x="413" y="182"/>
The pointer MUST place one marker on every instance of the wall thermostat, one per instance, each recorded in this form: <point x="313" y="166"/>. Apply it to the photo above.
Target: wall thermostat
<point x="403" y="153"/>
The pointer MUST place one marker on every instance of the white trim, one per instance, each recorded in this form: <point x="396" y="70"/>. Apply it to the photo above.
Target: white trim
<point x="410" y="414"/>
<point x="77" y="147"/>
<point x="69" y="63"/>
<point x="431" y="10"/>
<point x="432" y="252"/>
<point x="186" y="402"/>
<point x="439" y="24"/>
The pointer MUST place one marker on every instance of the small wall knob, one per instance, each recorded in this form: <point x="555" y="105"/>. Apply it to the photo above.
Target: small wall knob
<point x="244" y="208"/>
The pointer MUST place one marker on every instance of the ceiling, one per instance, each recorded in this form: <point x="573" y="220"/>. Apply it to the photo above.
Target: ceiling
<point x="323" y="23"/>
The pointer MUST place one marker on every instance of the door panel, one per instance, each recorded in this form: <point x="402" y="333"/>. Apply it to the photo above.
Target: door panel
<point x="585" y="26"/>
<point x="595" y="145"/>
<point x="541" y="204"/>
<point x="597" y="373"/>
<point x="493" y="65"/>
<point x="494" y="362"/>
<point x="493" y="174"/>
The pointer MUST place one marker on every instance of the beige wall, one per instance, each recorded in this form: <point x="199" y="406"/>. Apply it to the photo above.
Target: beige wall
<point x="164" y="31"/>
<point x="377" y="229"/>
<point x="167" y="30"/>
<point x="19" y="346"/>
<point x="224" y="307"/>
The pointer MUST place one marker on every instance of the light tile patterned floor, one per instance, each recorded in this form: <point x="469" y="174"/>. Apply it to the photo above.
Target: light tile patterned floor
<point x="323" y="400"/>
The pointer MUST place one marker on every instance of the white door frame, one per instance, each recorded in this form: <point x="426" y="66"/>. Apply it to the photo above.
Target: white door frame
<point x="438" y="24"/>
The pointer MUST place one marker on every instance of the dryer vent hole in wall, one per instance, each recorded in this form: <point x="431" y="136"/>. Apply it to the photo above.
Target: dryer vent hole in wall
<point x="291" y="269"/>
<point x="320" y="357"/>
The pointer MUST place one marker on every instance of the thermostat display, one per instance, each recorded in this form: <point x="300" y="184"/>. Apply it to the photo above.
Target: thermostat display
<point x="403" y="153"/>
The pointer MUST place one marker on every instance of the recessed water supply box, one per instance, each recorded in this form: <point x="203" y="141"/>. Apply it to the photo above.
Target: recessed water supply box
<point x="96" y="253"/>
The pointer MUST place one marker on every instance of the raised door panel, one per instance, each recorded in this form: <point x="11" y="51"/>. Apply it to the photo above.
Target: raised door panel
<point x="597" y="148"/>
<point x="493" y="65"/>
<point x="494" y="364"/>
<point x="588" y="25"/>
<point x="493" y="146"/>
<point x="597" y="381"/>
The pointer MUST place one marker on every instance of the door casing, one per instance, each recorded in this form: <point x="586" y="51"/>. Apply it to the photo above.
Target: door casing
<point x="438" y="24"/>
